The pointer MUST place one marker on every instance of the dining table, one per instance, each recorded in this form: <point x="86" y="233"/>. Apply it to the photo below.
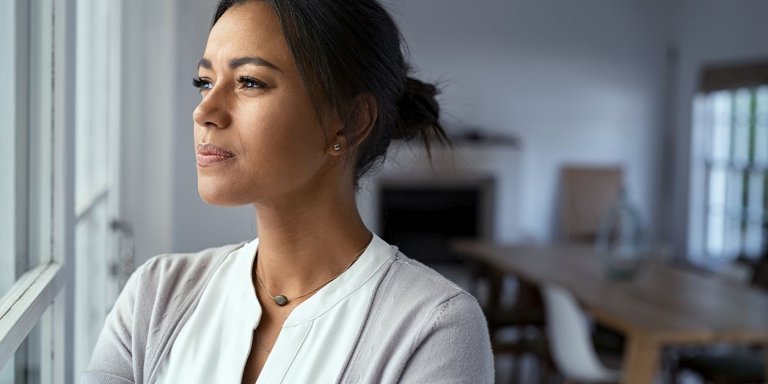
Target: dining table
<point x="662" y="305"/>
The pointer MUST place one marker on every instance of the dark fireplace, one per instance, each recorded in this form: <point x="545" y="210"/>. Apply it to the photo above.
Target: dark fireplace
<point x="422" y="217"/>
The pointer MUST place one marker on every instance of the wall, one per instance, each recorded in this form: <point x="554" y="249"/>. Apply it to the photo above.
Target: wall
<point x="577" y="82"/>
<point x="147" y="139"/>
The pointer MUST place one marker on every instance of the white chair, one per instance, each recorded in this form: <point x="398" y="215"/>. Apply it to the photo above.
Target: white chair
<point x="570" y="342"/>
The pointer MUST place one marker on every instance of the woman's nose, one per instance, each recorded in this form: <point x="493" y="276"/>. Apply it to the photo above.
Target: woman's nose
<point x="213" y="111"/>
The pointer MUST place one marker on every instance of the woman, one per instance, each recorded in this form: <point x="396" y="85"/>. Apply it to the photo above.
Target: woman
<point x="299" y="100"/>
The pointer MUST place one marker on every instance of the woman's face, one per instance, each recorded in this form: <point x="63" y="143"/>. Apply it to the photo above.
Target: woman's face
<point x="257" y="135"/>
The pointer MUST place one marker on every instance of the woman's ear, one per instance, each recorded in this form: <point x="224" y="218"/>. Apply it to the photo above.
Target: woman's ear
<point x="360" y="120"/>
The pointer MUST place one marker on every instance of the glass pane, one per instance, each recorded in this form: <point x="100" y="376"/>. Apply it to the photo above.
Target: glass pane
<point x="717" y="203"/>
<point x="753" y="236"/>
<point x="14" y="167"/>
<point x="734" y="214"/>
<point x="7" y="148"/>
<point x="40" y="127"/>
<point x="96" y="294"/>
<point x="97" y="126"/>
<point x="93" y="109"/>
<point x="761" y="126"/>
<point x="742" y="114"/>
<point x="722" y="106"/>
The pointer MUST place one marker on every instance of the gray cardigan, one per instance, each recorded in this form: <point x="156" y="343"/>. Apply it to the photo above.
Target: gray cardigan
<point x="420" y="327"/>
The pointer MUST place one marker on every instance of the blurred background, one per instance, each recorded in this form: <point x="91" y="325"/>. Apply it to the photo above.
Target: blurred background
<point x="638" y="126"/>
<point x="590" y="83"/>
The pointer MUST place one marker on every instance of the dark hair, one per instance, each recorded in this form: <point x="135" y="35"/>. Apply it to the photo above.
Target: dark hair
<point x="344" y="48"/>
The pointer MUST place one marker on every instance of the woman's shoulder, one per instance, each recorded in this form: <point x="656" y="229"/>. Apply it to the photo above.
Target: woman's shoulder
<point x="162" y="279"/>
<point x="415" y="294"/>
<point x="422" y="282"/>
<point x="183" y="264"/>
<point x="154" y="301"/>
<point x="416" y="320"/>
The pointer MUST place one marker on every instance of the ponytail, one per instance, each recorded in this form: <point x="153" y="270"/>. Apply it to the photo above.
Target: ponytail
<point x="419" y="113"/>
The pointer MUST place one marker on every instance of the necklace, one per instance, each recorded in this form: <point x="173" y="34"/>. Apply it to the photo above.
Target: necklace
<point x="282" y="300"/>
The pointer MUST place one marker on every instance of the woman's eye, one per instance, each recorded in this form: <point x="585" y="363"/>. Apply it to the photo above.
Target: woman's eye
<point x="202" y="84"/>
<point x="249" y="82"/>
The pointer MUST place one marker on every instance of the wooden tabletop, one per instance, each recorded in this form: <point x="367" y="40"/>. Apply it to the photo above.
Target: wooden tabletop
<point x="661" y="306"/>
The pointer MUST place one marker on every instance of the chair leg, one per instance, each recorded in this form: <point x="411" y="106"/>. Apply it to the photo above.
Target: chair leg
<point x="542" y="370"/>
<point x="672" y="368"/>
<point x="516" y="359"/>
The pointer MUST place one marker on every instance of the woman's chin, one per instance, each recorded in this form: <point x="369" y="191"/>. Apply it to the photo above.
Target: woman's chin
<point x="221" y="197"/>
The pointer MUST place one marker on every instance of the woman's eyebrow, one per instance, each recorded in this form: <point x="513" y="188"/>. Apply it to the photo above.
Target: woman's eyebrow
<point x="240" y="61"/>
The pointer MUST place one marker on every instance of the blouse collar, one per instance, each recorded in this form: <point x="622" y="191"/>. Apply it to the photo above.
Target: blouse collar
<point x="373" y="259"/>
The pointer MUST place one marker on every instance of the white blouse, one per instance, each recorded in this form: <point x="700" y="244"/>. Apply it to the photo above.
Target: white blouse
<point x="314" y="344"/>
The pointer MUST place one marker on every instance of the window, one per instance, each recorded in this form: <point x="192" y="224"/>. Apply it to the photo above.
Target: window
<point x="35" y="103"/>
<point x="731" y="118"/>
<point x="58" y="205"/>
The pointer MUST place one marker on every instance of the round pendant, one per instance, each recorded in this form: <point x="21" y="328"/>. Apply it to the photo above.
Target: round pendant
<point x="281" y="300"/>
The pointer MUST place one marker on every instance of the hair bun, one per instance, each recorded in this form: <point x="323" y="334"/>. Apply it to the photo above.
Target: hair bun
<point x="418" y="111"/>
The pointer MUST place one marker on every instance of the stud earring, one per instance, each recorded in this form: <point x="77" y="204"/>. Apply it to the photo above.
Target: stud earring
<point x="337" y="147"/>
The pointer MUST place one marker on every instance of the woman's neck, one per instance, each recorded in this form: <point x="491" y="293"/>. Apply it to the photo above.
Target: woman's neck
<point x="301" y="246"/>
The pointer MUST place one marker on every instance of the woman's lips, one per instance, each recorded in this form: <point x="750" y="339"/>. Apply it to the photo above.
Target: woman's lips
<point x="209" y="154"/>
